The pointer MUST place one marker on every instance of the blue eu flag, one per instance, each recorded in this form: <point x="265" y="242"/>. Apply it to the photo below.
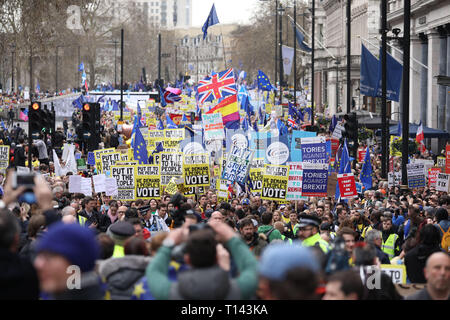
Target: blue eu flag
<point x="263" y="82"/>
<point x="212" y="20"/>
<point x="366" y="172"/>
<point x="140" y="148"/>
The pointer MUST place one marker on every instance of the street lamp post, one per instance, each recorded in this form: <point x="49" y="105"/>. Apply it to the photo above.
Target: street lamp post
<point x="56" y="71"/>
<point x="313" y="21"/>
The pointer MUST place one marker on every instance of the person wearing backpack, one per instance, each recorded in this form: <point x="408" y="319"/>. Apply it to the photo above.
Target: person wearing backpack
<point x="267" y="228"/>
<point x="443" y="224"/>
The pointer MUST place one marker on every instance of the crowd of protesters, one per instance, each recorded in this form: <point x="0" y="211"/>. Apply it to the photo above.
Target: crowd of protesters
<point x="199" y="248"/>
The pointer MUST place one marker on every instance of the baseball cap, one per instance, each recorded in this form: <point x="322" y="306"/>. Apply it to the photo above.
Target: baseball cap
<point x="279" y="258"/>
<point x="245" y="201"/>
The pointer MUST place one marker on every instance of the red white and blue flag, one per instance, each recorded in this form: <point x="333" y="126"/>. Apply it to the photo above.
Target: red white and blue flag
<point x="171" y="95"/>
<point x="291" y="122"/>
<point x="217" y="86"/>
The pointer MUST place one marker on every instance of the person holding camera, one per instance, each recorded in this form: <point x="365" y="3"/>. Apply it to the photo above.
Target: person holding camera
<point x="207" y="278"/>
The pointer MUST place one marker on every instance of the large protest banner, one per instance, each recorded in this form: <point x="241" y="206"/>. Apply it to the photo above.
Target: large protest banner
<point x="315" y="179"/>
<point x="213" y="125"/>
<point x="196" y="171"/>
<point x="314" y="150"/>
<point x="337" y="132"/>
<point x="237" y="165"/>
<point x="148" y="182"/>
<point x="275" y="182"/>
<point x="125" y="177"/>
<point x="171" y="165"/>
<point x="236" y="137"/>
<point x="4" y="158"/>
<point x="416" y="175"/>
<point x="256" y="177"/>
<point x="296" y="143"/>
<point x="277" y="151"/>
<point x="347" y="186"/>
<point x="294" y="191"/>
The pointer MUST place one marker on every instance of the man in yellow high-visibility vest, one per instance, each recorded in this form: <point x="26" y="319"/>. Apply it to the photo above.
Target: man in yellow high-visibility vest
<point x="307" y="230"/>
<point x="391" y="240"/>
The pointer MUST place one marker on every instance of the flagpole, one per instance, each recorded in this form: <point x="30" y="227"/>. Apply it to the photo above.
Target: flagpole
<point x="312" y="60"/>
<point x="121" y="75"/>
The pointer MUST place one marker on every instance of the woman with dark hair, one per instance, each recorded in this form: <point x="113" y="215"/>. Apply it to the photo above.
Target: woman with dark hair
<point x="415" y="259"/>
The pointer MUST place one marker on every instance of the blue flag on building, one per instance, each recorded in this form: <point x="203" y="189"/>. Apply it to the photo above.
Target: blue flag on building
<point x="369" y="73"/>
<point x="263" y="82"/>
<point x="212" y="20"/>
<point x="393" y="78"/>
<point x="366" y="172"/>
<point x="300" y="39"/>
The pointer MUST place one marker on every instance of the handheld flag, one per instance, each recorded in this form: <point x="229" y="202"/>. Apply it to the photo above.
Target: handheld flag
<point x="366" y="172"/>
<point x="217" y="86"/>
<point x="170" y="123"/>
<point x="140" y="148"/>
<point x="420" y="138"/>
<point x="229" y="110"/>
<point x="263" y="82"/>
<point x="212" y="20"/>
<point x="161" y="96"/>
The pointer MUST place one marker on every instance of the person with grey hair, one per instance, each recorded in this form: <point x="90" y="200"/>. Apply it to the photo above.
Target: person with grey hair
<point x="374" y="237"/>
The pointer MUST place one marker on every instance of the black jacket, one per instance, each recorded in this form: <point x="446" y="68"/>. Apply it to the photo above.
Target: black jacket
<point x="19" y="156"/>
<point x="102" y="220"/>
<point x="18" y="278"/>
<point x="415" y="261"/>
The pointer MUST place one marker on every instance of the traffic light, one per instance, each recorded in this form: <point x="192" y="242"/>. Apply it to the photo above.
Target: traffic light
<point x="36" y="120"/>
<point x="91" y="125"/>
<point x="351" y="131"/>
<point x="47" y="121"/>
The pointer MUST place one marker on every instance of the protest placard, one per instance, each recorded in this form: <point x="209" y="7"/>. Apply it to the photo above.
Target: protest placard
<point x="361" y="154"/>
<point x="196" y="171"/>
<point x="111" y="187"/>
<point x="256" y="177"/>
<point x="171" y="164"/>
<point x="4" y="157"/>
<point x="296" y="143"/>
<point x="125" y="177"/>
<point x="74" y="184"/>
<point x="237" y="165"/>
<point x="432" y="176"/>
<point x="331" y="184"/>
<point x="347" y="186"/>
<point x="174" y="134"/>
<point x="99" y="182"/>
<point x="275" y="182"/>
<point x="107" y="160"/>
<point x="236" y="137"/>
<point x="416" y="175"/>
<point x="440" y="162"/>
<point x="294" y="191"/>
<point x="314" y="150"/>
<point x="148" y="186"/>
<point x="394" y="179"/>
<point x="337" y="132"/>
<point x="172" y="187"/>
<point x="86" y="186"/>
<point x="315" y="179"/>
<point x="97" y="156"/>
<point x="442" y="182"/>
<point x="447" y="159"/>
<point x="213" y="125"/>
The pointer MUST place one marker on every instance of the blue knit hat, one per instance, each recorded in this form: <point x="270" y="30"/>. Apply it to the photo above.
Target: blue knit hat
<point x="75" y="243"/>
<point x="279" y="258"/>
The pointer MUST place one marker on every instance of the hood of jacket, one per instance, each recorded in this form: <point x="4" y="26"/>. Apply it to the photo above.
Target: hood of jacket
<point x="123" y="272"/>
<point x="204" y="283"/>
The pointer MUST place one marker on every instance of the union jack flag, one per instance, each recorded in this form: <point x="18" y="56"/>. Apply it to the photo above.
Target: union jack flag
<point x="171" y="97"/>
<point x="217" y="86"/>
<point x="291" y="122"/>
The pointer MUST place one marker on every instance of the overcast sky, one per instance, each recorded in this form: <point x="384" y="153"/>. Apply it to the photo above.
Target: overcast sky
<point x="228" y="11"/>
